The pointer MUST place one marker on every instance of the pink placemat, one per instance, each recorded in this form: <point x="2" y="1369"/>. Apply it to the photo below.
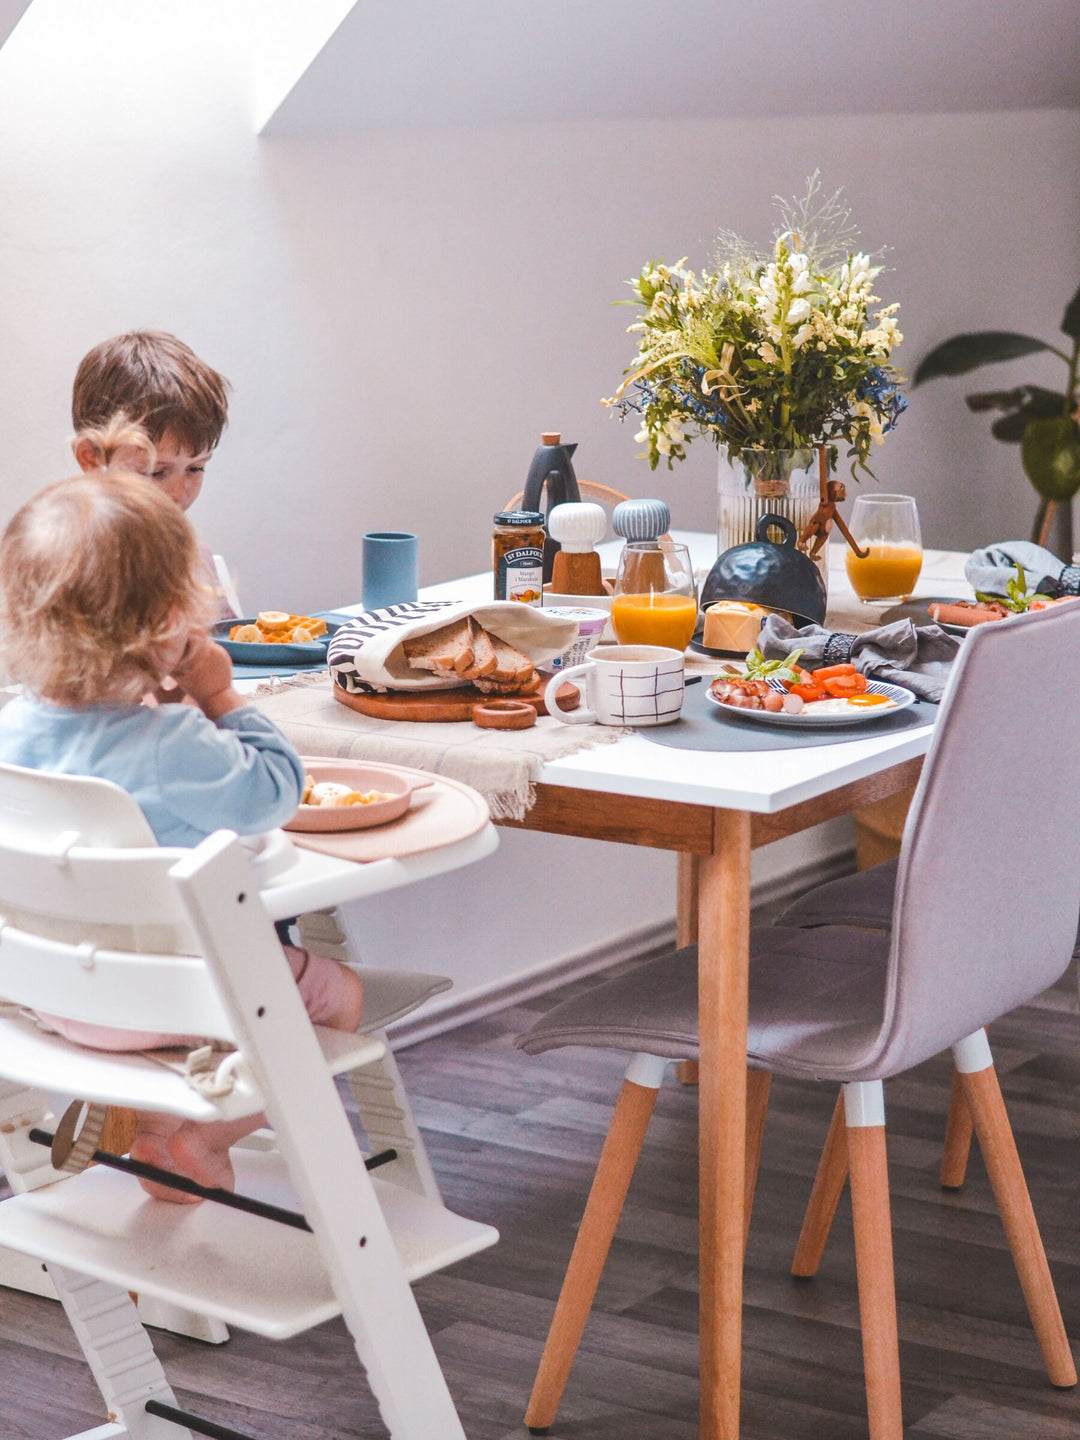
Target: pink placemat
<point x="440" y="814"/>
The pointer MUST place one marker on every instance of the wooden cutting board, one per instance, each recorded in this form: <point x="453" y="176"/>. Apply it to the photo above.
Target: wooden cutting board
<point x="442" y="705"/>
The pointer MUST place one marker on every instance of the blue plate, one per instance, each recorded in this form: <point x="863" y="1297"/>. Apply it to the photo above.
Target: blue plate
<point x="251" y="653"/>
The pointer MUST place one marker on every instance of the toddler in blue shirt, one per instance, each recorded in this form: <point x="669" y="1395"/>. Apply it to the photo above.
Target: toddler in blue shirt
<point x="100" y="591"/>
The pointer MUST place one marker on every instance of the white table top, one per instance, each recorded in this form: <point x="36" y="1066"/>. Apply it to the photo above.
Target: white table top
<point x="761" y="781"/>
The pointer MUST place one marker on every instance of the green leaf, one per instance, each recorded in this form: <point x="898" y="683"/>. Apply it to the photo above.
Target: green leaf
<point x="1071" y="320"/>
<point x="1050" y="452"/>
<point x="978" y="347"/>
<point x="1039" y="403"/>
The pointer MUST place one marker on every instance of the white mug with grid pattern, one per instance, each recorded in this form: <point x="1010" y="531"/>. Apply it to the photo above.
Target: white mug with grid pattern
<point x="625" y="685"/>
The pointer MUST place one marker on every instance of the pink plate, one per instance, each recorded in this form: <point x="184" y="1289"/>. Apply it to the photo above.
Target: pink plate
<point x="399" y="786"/>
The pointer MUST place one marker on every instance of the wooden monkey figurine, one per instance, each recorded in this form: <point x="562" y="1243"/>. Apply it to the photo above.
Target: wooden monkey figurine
<point x="817" y="531"/>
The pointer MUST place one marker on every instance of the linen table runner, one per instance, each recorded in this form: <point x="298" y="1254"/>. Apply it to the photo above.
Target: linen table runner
<point x="504" y="765"/>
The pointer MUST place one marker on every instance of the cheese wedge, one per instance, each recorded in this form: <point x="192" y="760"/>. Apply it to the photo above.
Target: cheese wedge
<point x="733" y="625"/>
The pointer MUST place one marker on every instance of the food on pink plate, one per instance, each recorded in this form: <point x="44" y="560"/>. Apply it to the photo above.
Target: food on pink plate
<point x="331" y="794"/>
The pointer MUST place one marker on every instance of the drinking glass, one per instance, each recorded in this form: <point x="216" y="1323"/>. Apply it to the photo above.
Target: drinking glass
<point x="887" y="526"/>
<point x="655" y="597"/>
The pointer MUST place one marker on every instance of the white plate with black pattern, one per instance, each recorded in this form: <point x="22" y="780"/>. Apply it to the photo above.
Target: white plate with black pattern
<point x="806" y="719"/>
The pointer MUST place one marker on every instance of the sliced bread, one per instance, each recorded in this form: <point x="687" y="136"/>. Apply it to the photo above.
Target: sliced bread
<point x="511" y="667"/>
<point x="484" y="658"/>
<point x="449" y="648"/>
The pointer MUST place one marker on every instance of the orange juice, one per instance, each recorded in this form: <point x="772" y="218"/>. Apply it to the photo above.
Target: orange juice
<point x="654" y="619"/>
<point x="888" y="571"/>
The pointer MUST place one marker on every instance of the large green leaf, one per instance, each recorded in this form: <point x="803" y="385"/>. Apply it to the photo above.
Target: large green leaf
<point x="1071" y="321"/>
<point x="1050" y="452"/>
<point x="980" y="347"/>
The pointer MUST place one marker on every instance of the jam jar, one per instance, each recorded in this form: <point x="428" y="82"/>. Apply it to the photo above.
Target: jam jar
<point x="517" y="556"/>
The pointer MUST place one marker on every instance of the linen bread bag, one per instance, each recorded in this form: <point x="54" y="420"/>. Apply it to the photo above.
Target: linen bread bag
<point x="368" y="654"/>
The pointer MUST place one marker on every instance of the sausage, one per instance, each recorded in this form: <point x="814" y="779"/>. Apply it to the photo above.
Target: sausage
<point x="967" y="615"/>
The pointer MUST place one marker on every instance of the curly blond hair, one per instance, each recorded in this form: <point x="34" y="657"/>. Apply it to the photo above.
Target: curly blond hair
<point x="97" y="574"/>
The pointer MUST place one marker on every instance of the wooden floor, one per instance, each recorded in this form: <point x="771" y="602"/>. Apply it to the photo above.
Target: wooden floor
<point x="514" y="1142"/>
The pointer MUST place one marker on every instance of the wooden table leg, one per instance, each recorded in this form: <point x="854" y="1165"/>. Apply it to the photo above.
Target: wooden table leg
<point x="686" y="933"/>
<point x="723" y="990"/>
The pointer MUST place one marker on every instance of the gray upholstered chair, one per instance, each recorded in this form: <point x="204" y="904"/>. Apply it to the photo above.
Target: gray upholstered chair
<point x="978" y="928"/>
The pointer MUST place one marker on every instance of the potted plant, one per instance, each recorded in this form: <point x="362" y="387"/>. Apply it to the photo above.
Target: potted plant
<point x="1042" y="422"/>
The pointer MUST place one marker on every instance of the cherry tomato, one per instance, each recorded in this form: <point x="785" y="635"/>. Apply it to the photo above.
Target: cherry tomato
<point x="844" y="686"/>
<point x="830" y="672"/>
<point x="809" y="691"/>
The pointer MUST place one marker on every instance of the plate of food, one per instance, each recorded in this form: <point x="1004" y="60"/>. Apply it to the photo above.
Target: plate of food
<point x="274" y="637"/>
<point x="353" y="797"/>
<point x="960" y="616"/>
<point x="781" y="692"/>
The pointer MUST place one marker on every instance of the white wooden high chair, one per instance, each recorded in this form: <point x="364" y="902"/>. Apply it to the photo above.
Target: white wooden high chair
<point x="179" y="940"/>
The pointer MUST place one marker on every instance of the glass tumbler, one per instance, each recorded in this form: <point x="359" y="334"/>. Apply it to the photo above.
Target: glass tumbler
<point x="887" y="526"/>
<point x="655" y="596"/>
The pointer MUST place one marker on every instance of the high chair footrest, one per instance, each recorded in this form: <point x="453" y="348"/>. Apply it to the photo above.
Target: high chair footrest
<point x="214" y="1260"/>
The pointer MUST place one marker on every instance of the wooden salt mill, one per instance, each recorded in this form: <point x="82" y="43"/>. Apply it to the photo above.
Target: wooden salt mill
<point x="578" y="527"/>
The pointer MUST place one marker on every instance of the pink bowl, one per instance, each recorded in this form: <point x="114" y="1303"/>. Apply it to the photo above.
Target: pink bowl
<point x="396" y="784"/>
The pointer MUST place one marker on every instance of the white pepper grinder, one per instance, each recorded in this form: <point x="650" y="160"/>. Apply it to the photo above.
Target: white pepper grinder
<point x="578" y="526"/>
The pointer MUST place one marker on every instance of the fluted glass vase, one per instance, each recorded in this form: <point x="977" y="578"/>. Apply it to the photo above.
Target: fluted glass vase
<point x="783" y="482"/>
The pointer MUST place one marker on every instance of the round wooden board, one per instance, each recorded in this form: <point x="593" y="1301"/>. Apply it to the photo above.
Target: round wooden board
<point x="443" y="705"/>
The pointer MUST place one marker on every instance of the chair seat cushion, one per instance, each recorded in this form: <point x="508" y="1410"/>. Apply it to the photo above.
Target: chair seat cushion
<point x="816" y="1004"/>
<point x="864" y="899"/>
<point x="390" y="994"/>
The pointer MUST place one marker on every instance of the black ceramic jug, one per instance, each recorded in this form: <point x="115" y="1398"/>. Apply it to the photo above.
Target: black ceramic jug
<point x="551" y="481"/>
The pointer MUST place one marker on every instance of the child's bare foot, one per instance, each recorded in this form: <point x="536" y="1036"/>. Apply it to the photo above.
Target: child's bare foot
<point x="201" y="1152"/>
<point x="347" y="1015"/>
<point x="151" y="1146"/>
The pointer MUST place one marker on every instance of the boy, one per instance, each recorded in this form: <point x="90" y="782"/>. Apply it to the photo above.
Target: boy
<point x="162" y="385"/>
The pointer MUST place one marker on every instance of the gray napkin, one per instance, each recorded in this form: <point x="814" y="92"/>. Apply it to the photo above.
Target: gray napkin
<point x="989" y="570"/>
<point x="917" y="657"/>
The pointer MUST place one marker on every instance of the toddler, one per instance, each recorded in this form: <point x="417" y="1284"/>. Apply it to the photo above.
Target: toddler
<point x="100" y="599"/>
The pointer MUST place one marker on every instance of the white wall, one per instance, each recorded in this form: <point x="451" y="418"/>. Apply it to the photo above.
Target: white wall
<point x="403" y="312"/>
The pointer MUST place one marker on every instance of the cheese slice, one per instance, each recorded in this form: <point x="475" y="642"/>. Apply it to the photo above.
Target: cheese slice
<point x="733" y="625"/>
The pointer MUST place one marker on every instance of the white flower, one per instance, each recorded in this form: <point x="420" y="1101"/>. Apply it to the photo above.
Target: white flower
<point x="663" y="444"/>
<point x="642" y="436"/>
<point x="674" y="430"/>
<point x="798" y="311"/>
<point x="768" y="354"/>
<point x="799" y="266"/>
<point x="801" y="336"/>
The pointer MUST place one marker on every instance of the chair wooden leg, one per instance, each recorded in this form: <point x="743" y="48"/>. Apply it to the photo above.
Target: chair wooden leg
<point x="958" y="1132"/>
<point x="618" y="1160"/>
<point x="832" y="1173"/>
<point x="758" y="1084"/>
<point x="865" y="1117"/>
<point x="983" y="1094"/>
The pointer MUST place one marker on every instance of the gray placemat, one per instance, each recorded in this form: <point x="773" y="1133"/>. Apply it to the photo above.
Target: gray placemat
<point x="702" y="726"/>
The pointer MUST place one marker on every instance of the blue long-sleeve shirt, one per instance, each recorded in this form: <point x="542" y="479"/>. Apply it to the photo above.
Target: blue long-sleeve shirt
<point x="190" y="775"/>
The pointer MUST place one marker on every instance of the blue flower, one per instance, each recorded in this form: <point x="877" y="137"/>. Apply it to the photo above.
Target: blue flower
<point x="880" y="390"/>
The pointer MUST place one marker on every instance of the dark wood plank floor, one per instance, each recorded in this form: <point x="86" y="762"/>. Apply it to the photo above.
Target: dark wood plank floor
<point x="514" y="1141"/>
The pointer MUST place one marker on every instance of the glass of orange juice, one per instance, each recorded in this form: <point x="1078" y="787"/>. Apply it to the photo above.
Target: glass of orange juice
<point x="887" y="526"/>
<point x="655" y="596"/>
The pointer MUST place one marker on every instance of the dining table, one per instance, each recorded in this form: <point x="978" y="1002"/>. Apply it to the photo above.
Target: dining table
<point x="714" y="808"/>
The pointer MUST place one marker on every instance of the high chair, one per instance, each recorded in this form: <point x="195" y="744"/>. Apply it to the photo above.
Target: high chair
<point x="42" y="809"/>
<point x="343" y="1241"/>
<point x="977" y="929"/>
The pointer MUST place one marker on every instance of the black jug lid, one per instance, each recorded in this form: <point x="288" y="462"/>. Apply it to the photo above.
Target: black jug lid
<point x="764" y="572"/>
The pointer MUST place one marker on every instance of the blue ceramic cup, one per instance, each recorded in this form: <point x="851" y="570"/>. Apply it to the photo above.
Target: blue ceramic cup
<point x="390" y="568"/>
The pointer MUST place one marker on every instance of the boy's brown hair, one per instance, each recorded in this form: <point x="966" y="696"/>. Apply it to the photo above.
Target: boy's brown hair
<point x="157" y="381"/>
<point x="97" y="573"/>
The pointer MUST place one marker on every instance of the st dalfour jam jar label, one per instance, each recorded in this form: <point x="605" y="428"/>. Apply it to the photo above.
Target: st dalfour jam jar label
<point x="520" y="575"/>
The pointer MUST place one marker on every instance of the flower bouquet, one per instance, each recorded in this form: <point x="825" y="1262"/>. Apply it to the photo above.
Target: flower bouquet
<point x="770" y="355"/>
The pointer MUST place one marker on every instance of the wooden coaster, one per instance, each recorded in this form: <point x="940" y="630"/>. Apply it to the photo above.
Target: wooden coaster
<point x="435" y="705"/>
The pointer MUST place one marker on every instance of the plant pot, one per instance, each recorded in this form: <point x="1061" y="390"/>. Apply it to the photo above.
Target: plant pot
<point x="784" y="482"/>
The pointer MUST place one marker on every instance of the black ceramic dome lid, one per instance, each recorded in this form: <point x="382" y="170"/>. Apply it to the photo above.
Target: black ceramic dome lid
<point x="763" y="572"/>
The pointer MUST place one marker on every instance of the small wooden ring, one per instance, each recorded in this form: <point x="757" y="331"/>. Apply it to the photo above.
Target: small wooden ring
<point x="504" y="715"/>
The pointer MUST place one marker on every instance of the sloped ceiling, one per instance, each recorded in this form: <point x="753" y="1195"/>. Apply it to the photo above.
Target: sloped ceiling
<point x="480" y="61"/>
<point x="11" y="12"/>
